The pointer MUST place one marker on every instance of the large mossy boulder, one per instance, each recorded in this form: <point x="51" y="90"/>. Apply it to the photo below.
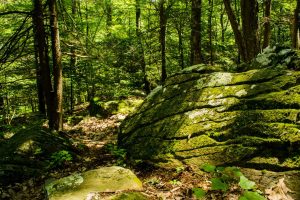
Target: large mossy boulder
<point x="27" y="153"/>
<point x="81" y="186"/>
<point x="204" y="115"/>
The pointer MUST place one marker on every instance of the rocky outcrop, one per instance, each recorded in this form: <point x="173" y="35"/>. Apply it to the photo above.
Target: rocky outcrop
<point x="90" y="183"/>
<point x="203" y="115"/>
<point x="27" y="153"/>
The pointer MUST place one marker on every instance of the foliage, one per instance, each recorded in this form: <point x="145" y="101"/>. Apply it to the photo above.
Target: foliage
<point x="199" y="193"/>
<point x="224" y="177"/>
<point x="118" y="153"/>
<point x="59" y="158"/>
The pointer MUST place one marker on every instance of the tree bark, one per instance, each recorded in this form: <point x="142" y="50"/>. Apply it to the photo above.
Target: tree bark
<point x="296" y="27"/>
<point x="267" y="25"/>
<point x="210" y="29"/>
<point x="196" y="32"/>
<point x="73" y="60"/>
<point x="247" y="38"/>
<point x="140" y="46"/>
<point x="249" y="14"/>
<point x="162" y="38"/>
<point x="40" y="35"/>
<point x="57" y="67"/>
<point x="41" y="98"/>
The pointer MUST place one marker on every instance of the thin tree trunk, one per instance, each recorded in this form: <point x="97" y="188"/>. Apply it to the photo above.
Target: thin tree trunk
<point x="57" y="67"/>
<point x="296" y="27"/>
<point x="141" y="49"/>
<point x="180" y="45"/>
<point x="196" y="32"/>
<point x="72" y="60"/>
<point x="267" y="25"/>
<point x="162" y="38"/>
<point x="40" y="35"/>
<point x="41" y="98"/>
<point x="222" y="24"/>
<point x="211" y="8"/>
<point x="108" y="10"/>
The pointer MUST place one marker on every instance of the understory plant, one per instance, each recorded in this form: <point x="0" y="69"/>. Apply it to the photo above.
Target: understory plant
<point x="224" y="177"/>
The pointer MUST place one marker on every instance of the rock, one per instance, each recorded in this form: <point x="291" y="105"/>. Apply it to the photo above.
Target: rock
<point x="268" y="179"/>
<point x="27" y="152"/>
<point x="80" y="186"/>
<point x="200" y="116"/>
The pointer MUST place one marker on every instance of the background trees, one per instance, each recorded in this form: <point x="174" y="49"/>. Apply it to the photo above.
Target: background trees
<point x="112" y="49"/>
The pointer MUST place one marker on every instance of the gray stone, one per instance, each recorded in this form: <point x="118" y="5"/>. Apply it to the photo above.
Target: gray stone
<point x="105" y="179"/>
<point x="199" y="116"/>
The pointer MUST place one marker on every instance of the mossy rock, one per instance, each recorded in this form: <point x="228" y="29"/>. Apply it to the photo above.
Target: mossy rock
<point x="28" y="152"/>
<point x="105" y="179"/>
<point x="200" y="116"/>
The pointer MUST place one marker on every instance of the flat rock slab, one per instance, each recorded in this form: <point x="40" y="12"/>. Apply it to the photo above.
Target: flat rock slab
<point x="268" y="179"/>
<point x="105" y="179"/>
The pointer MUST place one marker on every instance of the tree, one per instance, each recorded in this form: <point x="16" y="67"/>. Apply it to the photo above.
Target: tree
<point x="196" y="56"/>
<point x="296" y="27"/>
<point x="162" y="38"/>
<point x="57" y="67"/>
<point x="247" y="37"/>
<point x="40" y="35"/>
<point x="267" y="25"/>
<point x="141" y="53"/>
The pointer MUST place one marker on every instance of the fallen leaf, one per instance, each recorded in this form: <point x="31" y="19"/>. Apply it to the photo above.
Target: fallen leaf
<point x="279" y="192"/>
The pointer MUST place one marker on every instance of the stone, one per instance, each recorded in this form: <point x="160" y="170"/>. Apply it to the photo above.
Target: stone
<point x="267" y="179"/>
<point x="198" y="116"/>
<point x="27" y="153"/>
<point x="105" y="179"/>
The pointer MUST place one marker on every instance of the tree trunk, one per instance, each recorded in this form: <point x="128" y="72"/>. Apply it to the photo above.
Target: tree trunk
<point x="40" y="35"/>
<point x="196" y="32"/>
<point x="247" y="39"/>
<point x="141" y="49"/>
<point x="57" y="67"/>
<point x="296" y="27"/>
<point x="108" y="11"/>
<point x="73" y="60"/>
<point x="267" y="25"/>
<point x="162" y="38"/>
<point x="41" y="98"/>
<point x="222" y="24"/>
<point x="211" y="8"/>
<point x="249" y="14"/>
<point x="180" y="45"/>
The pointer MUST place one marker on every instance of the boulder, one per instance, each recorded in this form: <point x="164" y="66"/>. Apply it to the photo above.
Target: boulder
<point x="81" y="186"/>
<point x="27" y="153"/>
<point x="203" y="115"/>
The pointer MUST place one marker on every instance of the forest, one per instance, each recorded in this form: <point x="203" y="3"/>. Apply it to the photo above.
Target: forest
<point x="150" y="99"/>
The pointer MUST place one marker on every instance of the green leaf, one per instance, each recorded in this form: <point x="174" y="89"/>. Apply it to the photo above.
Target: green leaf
<point x="251" y="196"/>
<point x="218" y="184"/>
<point x="208" y="168"/>
<point x="246" y="184"/>
<point x="199" y="193"/>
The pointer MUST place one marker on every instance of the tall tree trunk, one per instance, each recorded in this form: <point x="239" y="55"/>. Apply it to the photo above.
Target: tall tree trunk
<point x="141" y="48"/>
<point x="296" y="27"/>
<point x="41" y="98"/>
<point x="180" y="45"/>
<point x="249" y="14"/>
<point x="162" y="38"/>
<point x="40" y="35"/>
<point x="210" y="29"/>
<point x="73" y="59"/>
<point x="247" y="38"/>
<point x="267" y="24"/>
<point x="222" y="24"/>
<point x="108" y="11"/>
<point x="57" y="67"/>
<point x="196" y="32"/>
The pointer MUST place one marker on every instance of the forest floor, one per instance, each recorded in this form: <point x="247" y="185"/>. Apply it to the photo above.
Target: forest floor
<point x="97" y="138"/>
